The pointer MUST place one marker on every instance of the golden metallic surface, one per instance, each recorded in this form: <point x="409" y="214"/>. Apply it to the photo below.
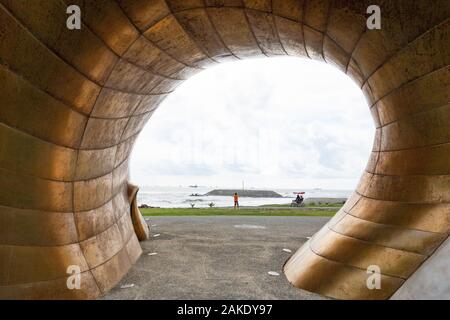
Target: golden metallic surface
<point x="95" y="221"/>
<point x="95" y="61"/>
<point x="93" y="193"/>
<point x="114" y="104"/>
<point x="33" y="118"/>
<point x="95" y="162"/>
<point x="47" y="263"/>
<point x="43" y="228"/>
<point x="362" y="254"/>
<point x="42" y="67"/>
<point x="140" y="226"/>
<point x="25" y="192"/>
<point x="103" y="133"/>
<point x="107" y="20"/>
<point x="25" y="153"/>
<point x="72" y="103"/>
<point x="434" y="217"/>
<point x="53" y="289"/>
<point x="333" y="279"/>
<point x="417" y="241"/>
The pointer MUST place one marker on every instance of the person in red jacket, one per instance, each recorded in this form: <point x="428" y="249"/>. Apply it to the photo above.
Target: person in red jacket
<point x="236" y="201"/>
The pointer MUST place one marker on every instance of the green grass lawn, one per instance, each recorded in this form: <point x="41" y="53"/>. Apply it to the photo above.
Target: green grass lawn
<point x="312" y="204"/>
<point x="325" y="205"/>
<point x="230" y="212"/>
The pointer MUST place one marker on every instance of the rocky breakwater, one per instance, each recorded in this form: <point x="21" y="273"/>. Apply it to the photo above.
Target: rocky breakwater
<point x="245" y="193"/>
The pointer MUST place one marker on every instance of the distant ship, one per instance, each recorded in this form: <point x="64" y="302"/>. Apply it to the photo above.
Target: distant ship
<point x="193" y="186"/>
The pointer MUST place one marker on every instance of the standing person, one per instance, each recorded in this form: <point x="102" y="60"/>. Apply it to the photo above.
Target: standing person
<point x="236" y="201"/>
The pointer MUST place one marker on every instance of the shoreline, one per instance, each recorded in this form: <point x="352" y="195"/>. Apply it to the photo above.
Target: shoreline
<point x="309" y="203"/>
<point x="266" y="210"/>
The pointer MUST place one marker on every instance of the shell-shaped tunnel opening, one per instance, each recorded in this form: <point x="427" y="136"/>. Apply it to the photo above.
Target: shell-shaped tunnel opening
<point x="74" y="101"/>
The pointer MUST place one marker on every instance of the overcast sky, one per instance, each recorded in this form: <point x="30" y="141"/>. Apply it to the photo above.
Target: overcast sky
<point x="273" y="123"/>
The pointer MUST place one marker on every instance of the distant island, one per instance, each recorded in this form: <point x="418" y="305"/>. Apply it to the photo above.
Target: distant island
<point x="245" y="193"/>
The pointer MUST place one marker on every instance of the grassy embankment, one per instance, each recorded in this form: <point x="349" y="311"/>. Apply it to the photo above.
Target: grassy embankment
<point x="266" y="210"/>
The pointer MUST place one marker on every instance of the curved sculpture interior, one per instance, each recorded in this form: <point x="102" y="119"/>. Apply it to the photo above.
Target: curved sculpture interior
<point x="74" y="101"/>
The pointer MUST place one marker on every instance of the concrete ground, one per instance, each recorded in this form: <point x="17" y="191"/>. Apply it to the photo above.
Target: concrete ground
<point x="217" y="258"/>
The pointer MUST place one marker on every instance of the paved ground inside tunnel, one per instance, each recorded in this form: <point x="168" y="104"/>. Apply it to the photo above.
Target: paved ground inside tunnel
<point x="217" y="258"/>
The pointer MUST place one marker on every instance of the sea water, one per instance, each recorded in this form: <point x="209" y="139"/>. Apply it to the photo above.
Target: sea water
<point x="181" y="197"/>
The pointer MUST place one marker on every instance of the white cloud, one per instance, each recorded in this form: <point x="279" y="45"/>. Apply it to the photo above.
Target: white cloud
<point x="278" y="122"/>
